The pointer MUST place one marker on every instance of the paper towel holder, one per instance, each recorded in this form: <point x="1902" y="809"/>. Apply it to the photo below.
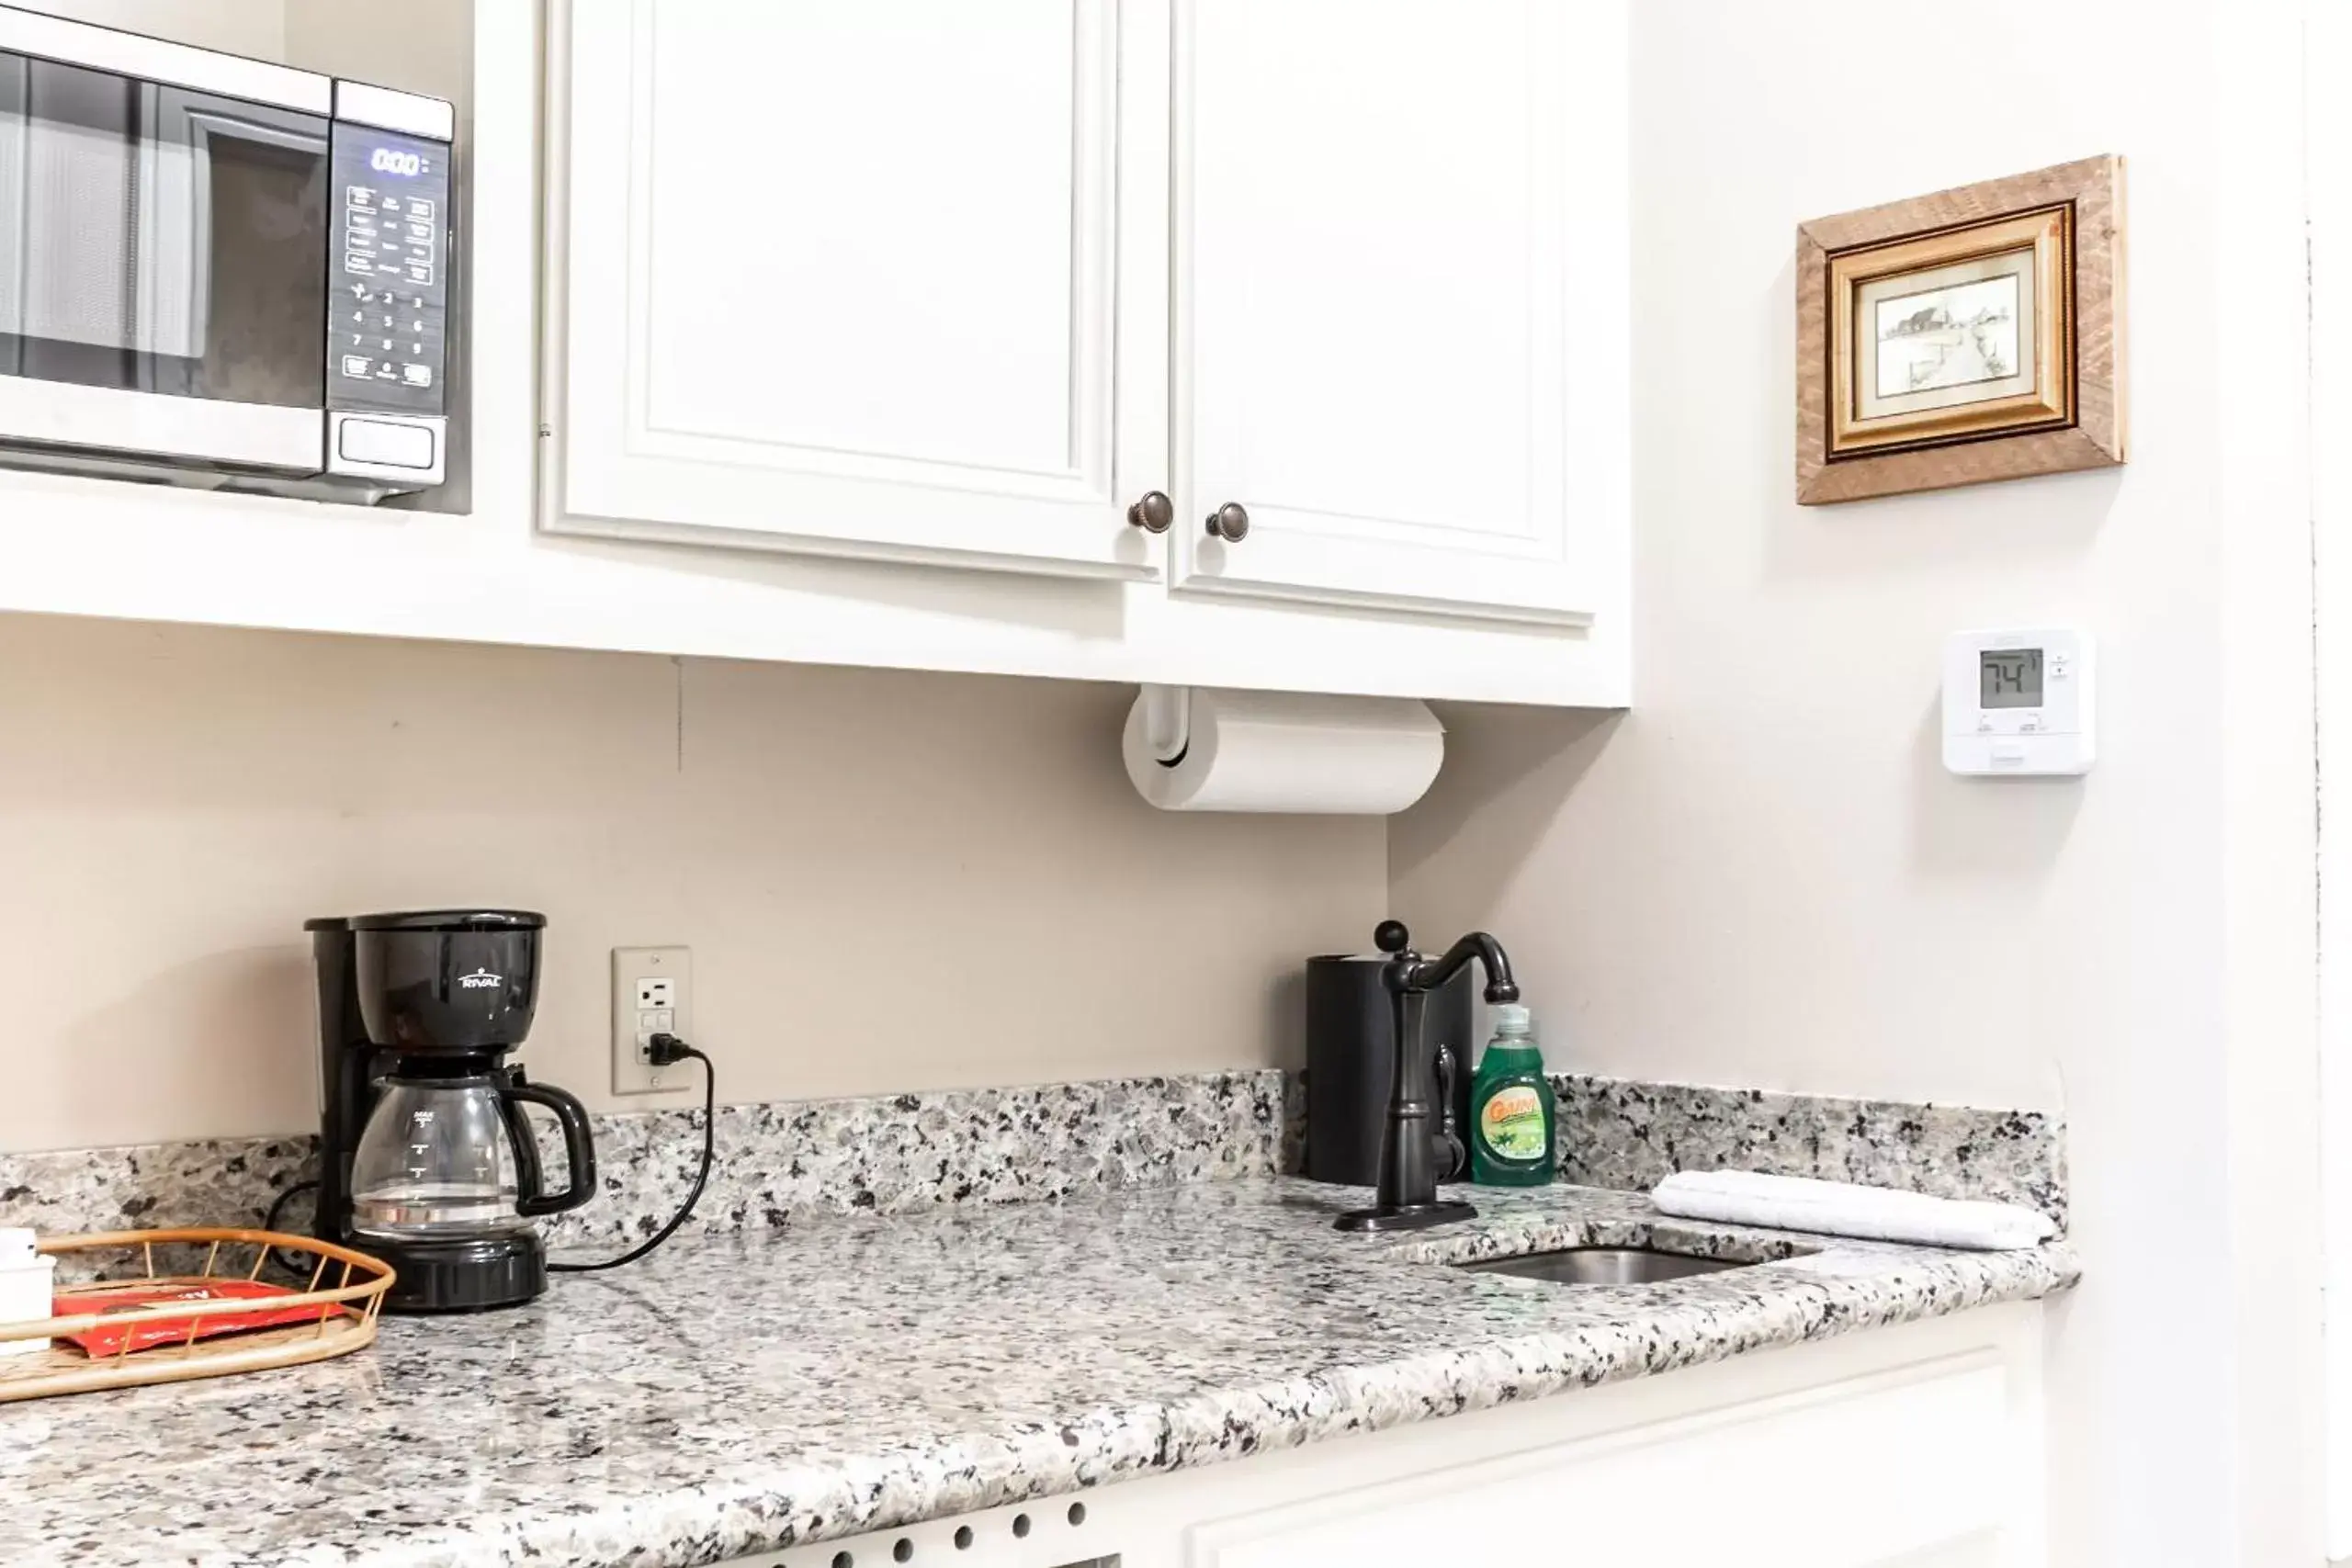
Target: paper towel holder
<point x="1167" y="723"/>
<point x="1208" y="749"/>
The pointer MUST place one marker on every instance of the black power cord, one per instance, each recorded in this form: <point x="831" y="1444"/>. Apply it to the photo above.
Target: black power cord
<point x="276" y="1208"/>
<point x="277" y="1204"/>
<point x="662" y="1051"/>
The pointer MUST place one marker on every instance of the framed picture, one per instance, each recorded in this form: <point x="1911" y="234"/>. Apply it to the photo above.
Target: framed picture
<point x="1970" y="335"/>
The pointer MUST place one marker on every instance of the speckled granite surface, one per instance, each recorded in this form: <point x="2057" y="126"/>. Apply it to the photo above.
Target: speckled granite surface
<point x="737" y="1394"/>
<point x="893" y="1151"/>
<point x="883" y="1153"/>
<point x="1616" y="1132"/>
<point x="897" y="1152"/>
<point x="203" y="1181"/>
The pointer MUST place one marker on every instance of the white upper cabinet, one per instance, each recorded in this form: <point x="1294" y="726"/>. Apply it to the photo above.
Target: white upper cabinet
<point x="841" y="278"/>
<point x="1399" y="232"/>
<point x="920" y="279"/>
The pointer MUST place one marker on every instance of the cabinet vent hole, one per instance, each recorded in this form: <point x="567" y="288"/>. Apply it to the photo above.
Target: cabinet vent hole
<point x="963" y="1537"/>
<point x="842" y="1560"/>
<point x="904" y="1550"/>
<point x="1020" y="1526"/>
<point x="1077" y="1513"/>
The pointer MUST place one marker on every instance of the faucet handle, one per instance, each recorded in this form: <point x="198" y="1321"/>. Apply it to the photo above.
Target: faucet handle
<point x="1452" y="1156"/>
<point x="1390" y="936"/>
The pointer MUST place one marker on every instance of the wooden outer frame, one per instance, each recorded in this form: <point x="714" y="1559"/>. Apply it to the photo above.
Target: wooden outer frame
<point x="2093" y="188"/>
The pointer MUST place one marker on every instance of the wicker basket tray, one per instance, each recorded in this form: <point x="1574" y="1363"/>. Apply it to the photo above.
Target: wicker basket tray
<point x="347" y="1310"/>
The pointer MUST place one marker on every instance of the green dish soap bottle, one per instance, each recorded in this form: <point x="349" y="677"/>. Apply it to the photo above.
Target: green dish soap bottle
<point x="1511" y="1109"/>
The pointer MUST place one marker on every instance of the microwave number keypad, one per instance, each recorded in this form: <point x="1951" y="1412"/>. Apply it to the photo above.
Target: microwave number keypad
<point x="387" y="288"/>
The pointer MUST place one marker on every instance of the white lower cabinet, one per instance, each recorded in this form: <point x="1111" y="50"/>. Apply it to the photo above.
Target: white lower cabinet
<point x="1918" y="1447"/>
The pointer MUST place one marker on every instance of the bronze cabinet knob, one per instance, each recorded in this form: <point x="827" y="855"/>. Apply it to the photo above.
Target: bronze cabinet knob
<point x="1154" y="512"/>
<point x="1229" y="523"/>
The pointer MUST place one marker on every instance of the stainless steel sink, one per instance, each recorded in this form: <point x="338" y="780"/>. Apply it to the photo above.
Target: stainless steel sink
<point x="1604" y="1266"/>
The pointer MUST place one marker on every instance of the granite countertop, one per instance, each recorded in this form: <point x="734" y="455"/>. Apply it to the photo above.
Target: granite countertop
<point x="734" y="1394"/>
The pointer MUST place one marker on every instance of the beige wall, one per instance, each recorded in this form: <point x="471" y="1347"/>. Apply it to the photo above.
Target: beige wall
<point x="889" y="881"/>
<point x="1762" y="874"/>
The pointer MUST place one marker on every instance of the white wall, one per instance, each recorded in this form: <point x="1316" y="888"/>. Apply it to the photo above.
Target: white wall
<point x="1762" y="875"/>
<point x="2329" y="180"/>
<point x="2270" y="950"/>
<point x="890" y="881"/>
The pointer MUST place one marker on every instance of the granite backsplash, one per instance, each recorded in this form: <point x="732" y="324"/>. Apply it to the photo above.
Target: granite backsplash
<point x="891" y="1153"/>
<point x="1617" y="1132"/>
<point x="885" y="1152"/>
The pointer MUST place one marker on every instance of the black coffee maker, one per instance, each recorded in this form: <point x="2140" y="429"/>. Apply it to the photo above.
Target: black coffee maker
<point x="427" y="1159"/>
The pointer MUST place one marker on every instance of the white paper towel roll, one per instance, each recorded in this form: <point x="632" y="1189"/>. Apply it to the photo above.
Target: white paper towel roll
<point x="1284" y="752"/>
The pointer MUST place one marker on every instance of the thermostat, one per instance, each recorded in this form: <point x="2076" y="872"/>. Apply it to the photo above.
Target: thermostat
<point x="2021" y="702"/>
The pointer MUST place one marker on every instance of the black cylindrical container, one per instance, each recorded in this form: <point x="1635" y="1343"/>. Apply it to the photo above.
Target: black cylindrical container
<point x="346" y="1091"/>
<point x="1350" y="1057"/>
<point x="455" y="982"/>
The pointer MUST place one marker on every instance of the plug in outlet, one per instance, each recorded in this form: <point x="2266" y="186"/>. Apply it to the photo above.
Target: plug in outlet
<point x="652" y="994"/>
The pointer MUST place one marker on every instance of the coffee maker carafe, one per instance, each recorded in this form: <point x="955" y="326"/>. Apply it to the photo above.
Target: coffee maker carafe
<point x="426" y="1158"/>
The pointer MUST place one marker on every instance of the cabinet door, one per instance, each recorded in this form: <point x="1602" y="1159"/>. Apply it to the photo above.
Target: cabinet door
<point x="838" y="276"/>
<point x="1810" y="1479"/>
<point x="1400" y="301"/>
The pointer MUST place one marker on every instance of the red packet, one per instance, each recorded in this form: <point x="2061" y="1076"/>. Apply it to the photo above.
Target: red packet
<point x="146" y="1330"/>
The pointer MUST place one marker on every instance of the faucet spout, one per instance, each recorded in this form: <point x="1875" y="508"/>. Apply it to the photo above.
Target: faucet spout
<point x="1432" y="972"/>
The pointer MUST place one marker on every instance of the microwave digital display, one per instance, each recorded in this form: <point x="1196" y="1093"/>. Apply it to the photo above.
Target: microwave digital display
<point x="394" y="161"/>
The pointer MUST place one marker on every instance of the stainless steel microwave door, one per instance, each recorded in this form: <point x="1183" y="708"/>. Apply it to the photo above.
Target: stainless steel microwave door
<point x="158" y="240"/>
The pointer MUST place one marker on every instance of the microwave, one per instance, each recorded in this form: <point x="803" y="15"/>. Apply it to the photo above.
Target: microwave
<point x="220" y="271"/>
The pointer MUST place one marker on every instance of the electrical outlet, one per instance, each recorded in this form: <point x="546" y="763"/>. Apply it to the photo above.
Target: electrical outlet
<point x="652" y="994"/>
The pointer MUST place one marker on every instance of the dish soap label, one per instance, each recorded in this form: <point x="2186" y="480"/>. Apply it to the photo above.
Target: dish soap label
<point x="1512" y="1125"/>
<point x="1512" y="1114"/>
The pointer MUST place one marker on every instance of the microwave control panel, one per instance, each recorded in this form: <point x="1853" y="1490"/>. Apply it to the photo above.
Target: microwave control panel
<point x="388" y="290"/>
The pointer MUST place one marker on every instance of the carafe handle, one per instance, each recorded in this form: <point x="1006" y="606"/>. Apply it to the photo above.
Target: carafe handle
<point x="579" y="1151"/>
<point x="527" y="1178"/>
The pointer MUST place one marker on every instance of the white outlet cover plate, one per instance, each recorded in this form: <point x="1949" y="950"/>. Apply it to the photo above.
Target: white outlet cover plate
<point x="665" y="976"/>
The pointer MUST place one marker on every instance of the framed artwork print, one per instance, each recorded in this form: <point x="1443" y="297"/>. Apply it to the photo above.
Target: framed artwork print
<point x="1970" y="335"/>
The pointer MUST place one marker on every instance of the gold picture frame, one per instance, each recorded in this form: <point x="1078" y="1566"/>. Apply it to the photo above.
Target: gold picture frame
<point x="1970" y="335"/>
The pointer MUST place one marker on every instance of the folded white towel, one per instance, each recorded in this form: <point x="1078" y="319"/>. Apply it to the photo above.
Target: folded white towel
<point x="1845" y="1208"/>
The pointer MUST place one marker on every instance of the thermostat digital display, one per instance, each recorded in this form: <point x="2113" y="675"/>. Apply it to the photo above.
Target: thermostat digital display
<point x="2020" y="701"/>
<point x="2011" y="677"/>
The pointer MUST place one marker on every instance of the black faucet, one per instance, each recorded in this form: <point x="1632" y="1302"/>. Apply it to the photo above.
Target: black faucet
<point x="1409" y="1148"/>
